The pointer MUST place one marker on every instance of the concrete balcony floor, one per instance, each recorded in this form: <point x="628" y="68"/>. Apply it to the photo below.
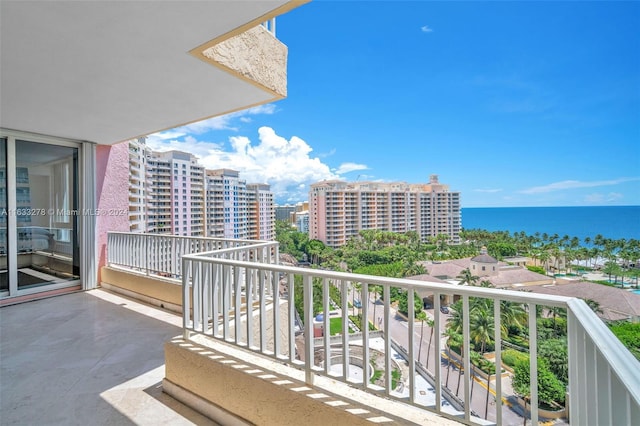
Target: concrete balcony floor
<point x="87" y="358"/>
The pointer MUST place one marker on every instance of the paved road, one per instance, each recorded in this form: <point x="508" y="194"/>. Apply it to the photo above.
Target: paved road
<point x="399" y="332"/>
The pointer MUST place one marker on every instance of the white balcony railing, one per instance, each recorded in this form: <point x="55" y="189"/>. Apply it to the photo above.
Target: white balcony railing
<point x="270" y="26"/>
<point x="230" y="282"/>
<point x="159" y="254"/>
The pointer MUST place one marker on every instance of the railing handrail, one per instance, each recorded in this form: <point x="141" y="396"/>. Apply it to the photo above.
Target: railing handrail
<point x="147" y="234"/>
<point x="621" y="360"/>
<point x="605" y="347"/>
<point x="270" y="26"/>
<point x="507" y="295"/>
<point x="159" y="254"/>
<point x="207" y="254"/>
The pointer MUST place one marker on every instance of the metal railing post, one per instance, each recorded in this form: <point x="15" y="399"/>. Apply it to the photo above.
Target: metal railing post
<point x="185" y="299"/>
<point x="533" y="364"/>
<point x="308" y="329"/>
<point x="147" y="253"/>
<point x="497" y="336"/>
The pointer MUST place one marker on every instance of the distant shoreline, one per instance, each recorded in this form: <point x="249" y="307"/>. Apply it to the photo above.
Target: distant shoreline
<point x="612" y="222"/>
<point x="548" y="207"/>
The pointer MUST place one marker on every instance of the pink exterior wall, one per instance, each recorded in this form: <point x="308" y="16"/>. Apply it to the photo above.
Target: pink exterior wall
<point x="112" y="194"/>
<point x="320" y="218"/>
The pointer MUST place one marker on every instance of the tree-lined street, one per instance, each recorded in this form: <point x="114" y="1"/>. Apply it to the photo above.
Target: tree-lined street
<point x="450" y="372"/>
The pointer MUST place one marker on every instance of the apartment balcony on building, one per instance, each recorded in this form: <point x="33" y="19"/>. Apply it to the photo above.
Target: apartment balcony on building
<point x="103" y="326"/>
<point x="236" y="326"/>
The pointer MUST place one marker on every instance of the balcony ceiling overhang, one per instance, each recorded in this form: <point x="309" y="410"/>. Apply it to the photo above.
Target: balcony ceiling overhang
<point x="108" y="71"/>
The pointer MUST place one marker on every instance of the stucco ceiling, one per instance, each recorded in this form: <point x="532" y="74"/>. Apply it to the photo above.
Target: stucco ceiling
<point x="108" y="71"/>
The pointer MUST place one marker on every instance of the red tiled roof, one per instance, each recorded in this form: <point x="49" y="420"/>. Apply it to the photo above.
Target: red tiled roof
<point x="616" y="303"/>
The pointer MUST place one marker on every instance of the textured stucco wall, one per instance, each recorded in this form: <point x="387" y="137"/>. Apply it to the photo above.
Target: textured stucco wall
<point x="112" y="194"/>
<point x="206" y="375"/>
<point x="255" y="54"/>
<point x="157" y="291"/>
<point x="215" y="377"/>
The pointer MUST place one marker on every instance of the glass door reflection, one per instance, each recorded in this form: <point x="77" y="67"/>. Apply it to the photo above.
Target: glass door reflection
<point x="46" y="214"/>
<point x="4" y="246"/>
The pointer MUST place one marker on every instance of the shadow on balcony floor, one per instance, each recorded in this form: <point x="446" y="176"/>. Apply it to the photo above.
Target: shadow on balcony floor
<point x="87" y="358"/>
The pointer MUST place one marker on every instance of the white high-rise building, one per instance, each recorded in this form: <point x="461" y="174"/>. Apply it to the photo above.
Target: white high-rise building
<point x="302" y="221"/>
<point x="236" y="209"/>
<point x="227" y="214"/>
<point x="171" y="193"/>
<point x="137" y="185"/>
<point x="175" y="193"/>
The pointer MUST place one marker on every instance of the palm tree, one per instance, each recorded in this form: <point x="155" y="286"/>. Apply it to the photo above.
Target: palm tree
<point x="557" y="312"/>
<point x="357" y="287"/>
<point x="611" y="268"/>
<point x="452" y="336"/>
<point x="422" y="316"/>
<point x="411" y="268"/>
<point x="467" y="278"/>
<point x="454" y="322"/>
<point x="594" y="305"/>
<point x="535" y="255"/>
<point x="315" y="249"/>
<point x="556" y="252"/>
<point x="512" y="314"/>
<point x="544" y="257"/>
<point x="441" y="242"/>
<point x="431" y="323"/>
<point x="594" y="254"/>
<point x="414" y="240"/>
<point x="482" y="328"/>
<point x="376" y="290"/>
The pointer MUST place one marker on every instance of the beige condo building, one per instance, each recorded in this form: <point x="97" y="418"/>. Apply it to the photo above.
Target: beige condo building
<point x="339" y="210"/>
<point x="262" y="224"/>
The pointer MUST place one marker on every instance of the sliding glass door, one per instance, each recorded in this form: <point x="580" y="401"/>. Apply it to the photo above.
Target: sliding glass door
<point x="4" y="275"/>
<point x="39" y="223"/>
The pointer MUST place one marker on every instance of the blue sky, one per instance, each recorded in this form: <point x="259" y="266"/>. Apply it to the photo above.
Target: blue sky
<point x="510" y="103"/>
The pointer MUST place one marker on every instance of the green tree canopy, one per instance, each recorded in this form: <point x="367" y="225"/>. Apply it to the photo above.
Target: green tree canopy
<point x="550" y="389"/>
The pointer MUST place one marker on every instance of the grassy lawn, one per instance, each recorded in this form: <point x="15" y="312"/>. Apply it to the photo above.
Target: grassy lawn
<point x="335" y="326"/>
<point x="357" y="319"/>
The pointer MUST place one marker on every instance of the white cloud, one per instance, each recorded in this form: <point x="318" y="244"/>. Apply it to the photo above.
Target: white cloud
<point x="574" y="184"/>
<point x="491" y="191"/>
<point x="598" y="198"/>
<point x="426" y="29"/>
<point x="285" y="164"/>
<point x="223" y="122"/>
<point x="327" y="154"/>
<point x="188" y="144"/>
<point x="364" y="177"/>
<point x="266" y="109"/>
<point x="350" y="167"/>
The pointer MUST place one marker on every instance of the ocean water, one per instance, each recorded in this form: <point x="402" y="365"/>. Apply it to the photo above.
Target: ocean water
<point x="613" y="222"/>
